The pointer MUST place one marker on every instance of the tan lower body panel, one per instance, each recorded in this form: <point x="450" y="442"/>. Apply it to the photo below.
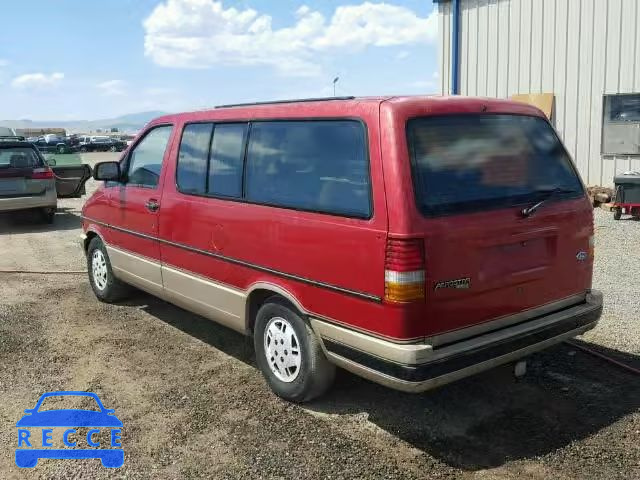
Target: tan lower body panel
<point x="212" y="300"/>
<point x="416" y="387"/>
<point x="136" y="270"/>
<point x="409" y="353"/>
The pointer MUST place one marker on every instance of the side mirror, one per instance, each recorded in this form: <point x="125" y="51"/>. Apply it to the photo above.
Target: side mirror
<point x="107" y="171"/>
<point x="29" y="410"/>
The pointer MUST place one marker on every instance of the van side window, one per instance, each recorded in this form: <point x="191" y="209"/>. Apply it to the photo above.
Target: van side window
<point x="211" y="159"/>
<point x="311" y="165"/>
<point x="145" y="160"/>
<point x="191" y="175"/>
<point x="227" y="156"/>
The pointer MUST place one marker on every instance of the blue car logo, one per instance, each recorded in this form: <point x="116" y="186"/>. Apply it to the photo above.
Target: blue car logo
<point x="29" y="442"/>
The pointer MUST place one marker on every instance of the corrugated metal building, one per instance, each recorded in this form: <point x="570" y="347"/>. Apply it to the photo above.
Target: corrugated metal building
<point x="585" y="52"/>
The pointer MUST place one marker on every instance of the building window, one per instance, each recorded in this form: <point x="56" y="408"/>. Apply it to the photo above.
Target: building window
<point x="621" y="124"/>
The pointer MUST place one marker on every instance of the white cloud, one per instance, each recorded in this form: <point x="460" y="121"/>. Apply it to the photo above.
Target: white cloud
<point x="402" y="55"/>
<point x="112" y="87"/>
<point x="37" y="80"/>
<point x="203" y="33"/>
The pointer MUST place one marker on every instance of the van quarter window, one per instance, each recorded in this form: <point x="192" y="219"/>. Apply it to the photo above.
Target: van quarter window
<point x="211" y="159"/>
<point x="319" y="166"/>
<point x="464" y="163"/>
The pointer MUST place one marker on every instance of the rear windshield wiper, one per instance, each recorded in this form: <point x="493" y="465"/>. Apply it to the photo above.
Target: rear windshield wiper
<point x="548" y="195"/>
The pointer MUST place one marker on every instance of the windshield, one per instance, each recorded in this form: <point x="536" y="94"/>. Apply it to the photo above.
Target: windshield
<point x="465" y="163"/>
<point x="19" y="157"/>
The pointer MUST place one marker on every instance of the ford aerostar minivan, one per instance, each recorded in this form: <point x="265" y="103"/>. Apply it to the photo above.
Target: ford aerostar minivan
<point x="410" y="240"/>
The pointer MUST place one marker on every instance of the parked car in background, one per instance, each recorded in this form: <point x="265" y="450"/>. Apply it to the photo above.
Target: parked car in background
<point x="51" y="143"/>
<point x="73" y="139"/>
<point x="97" y="143"/>
<point x="29" y="182"/>
<point x="411" y="240"/>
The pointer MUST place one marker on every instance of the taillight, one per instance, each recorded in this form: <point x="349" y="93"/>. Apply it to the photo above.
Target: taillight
<point x="42" y="173"/>
<point x="404" y="270"/>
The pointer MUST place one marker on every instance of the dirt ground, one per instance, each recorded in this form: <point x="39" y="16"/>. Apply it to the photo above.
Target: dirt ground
<point x="194" y="405"/>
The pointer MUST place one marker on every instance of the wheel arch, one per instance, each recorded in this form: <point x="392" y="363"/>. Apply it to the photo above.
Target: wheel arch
<point x="259" y="292"/>
<point x="88" y="236"/>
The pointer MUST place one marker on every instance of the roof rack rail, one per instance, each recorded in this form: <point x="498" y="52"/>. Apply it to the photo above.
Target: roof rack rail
<point x="295" y="100"/>
<point x="8" y="138"/>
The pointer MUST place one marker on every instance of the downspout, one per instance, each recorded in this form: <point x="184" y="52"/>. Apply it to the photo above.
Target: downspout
<point x="455" y="47"/>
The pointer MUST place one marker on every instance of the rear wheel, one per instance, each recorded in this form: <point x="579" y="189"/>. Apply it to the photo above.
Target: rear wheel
<point x="104" y="284"/>
<point x="61" y="149"/>
<point x="617" y="213"/>
<point x="84" y="149"/>
<point x="113" y="148"/>
<point x="289" y="354"/>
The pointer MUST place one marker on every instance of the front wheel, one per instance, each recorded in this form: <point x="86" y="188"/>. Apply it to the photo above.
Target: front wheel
<point x="113" y="148"/>
<point x="289" y="354"/>
<point x="61" y="149"/>
<point x="104" y="284"/>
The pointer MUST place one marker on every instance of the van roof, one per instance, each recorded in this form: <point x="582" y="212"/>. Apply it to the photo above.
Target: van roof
<point x="436" y="104"/>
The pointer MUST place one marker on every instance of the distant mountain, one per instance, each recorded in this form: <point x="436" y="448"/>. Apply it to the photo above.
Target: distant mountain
<point x="125" y="123"/>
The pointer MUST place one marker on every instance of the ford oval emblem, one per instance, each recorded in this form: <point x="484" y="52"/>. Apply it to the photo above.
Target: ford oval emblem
<point x="581" y="256"/>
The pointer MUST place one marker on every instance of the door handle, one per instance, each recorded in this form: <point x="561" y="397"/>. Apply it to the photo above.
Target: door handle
<point x="152" y="205"/>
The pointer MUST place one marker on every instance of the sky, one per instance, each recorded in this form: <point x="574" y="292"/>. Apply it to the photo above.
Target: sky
<point x="89" y="59"/>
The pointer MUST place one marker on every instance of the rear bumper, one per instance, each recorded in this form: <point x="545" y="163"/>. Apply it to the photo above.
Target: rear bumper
<point x="48" y="199"/>
<point x="420" y="367"/>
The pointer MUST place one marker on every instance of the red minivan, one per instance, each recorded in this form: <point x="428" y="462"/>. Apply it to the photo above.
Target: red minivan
<point x="410" y="240"/>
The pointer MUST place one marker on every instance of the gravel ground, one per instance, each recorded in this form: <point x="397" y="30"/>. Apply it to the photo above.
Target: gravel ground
<point x="617" y="274"/>
<point x="194" y="405"/>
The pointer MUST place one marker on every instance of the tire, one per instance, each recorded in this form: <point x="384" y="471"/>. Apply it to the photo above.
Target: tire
<point x="84" y="149"/>
<point x="113" y="148"/>
<point x="104" y="284"/>
<point x="61" y="149"/>
<point x="617" y="214"/>
<point x="313" y="374"/>
<point x="48" y="215"/>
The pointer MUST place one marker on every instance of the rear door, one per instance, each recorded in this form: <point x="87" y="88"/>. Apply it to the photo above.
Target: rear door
<point x="71" y="179"/>
<point x="485" y="259"/>
<point x="135" y="208"/>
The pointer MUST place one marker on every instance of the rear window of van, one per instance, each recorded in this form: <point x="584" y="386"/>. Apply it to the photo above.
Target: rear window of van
<point x="465" y="163"/>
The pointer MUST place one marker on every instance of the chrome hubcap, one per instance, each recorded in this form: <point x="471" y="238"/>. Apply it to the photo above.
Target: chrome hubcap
<point x="282" y="348"/>
<point x="99" y="269"/>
